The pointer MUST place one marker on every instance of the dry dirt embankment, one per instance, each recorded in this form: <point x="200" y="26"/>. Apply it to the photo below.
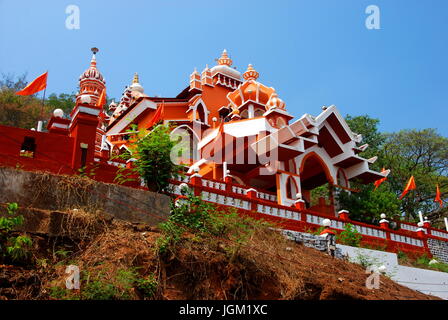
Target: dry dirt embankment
<point x="115" y="254"/>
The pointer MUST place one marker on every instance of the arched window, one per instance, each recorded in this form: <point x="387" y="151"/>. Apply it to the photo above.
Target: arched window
<point x="258" y="112"/>
<point x="291" y="188"/>
<point x="290" y="166"/>
<point x="280" y="122"/>
<point x="244" y="114"/>
<point x="200" y="113"/>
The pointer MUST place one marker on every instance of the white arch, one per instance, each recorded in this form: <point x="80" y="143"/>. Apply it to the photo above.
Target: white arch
<point x="324" y="156"/>
<point x="204" y="106"/>
<point x="237" y="179"/>
<point x="195" y="156"/>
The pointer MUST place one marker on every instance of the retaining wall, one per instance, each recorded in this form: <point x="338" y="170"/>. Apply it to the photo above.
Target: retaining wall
<point x="58" y="192"/>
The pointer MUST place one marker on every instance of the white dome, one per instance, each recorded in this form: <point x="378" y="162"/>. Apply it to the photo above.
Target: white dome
<point x="136" y="87"/>
<point x="92" y="73"/>
<point x="227" y="71"/>
<point x="58" y="113"/>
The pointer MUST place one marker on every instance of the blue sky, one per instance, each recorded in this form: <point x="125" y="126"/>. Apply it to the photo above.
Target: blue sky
<point x="314" y="52"/>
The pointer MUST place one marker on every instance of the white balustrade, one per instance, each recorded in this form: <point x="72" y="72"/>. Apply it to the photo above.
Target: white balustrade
<point x="439" y="234"/>
<point x="407" y="240"/>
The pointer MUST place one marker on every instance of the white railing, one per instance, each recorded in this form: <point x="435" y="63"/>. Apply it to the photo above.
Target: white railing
<point x="318" y="220"/>
<point x="185" y="179"/>
<point x="407" y="240"/>
<point x="175" y="189"/>
<point x="439" y="234"/>
<point x="266" y="196"/>
<point x="239" y="190"/>
<point x="225" y="200"/>
<point x="213" y="184"/>
<point x="370" y="231"/>
<point x="408" y="227"/>
<point x="281" y="213"/>
<point x="294" y="215"/>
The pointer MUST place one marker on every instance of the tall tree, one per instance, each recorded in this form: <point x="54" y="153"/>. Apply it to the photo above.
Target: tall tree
<point x="367" y="204"/>
<point x="18" y="111"/>
<point x="63" y="101"/>
<point x="423" y="154"/>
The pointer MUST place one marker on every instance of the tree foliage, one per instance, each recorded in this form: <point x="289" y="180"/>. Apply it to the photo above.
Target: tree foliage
<point x="151" y="155"/>
<point x="421" y="153"/>
<point x="63" y="101"/>
<point x="19" y="111"/>
<point x="25" y="111"/>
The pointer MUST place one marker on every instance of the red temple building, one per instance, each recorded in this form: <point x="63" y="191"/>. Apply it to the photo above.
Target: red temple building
<point x="257" y="129"/>
<point x="245" y="149"/>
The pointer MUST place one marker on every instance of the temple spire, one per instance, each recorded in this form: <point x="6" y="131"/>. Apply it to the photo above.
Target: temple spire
<point x="225" y="60"/>
<point x="135" y="80"/>
<point x="93" y="61"/>
<point x="251" y="73"/>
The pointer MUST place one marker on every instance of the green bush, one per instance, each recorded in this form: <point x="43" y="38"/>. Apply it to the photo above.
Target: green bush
<point x="118" y="286"/>
<point x="58" y="293"/>
<point x="148" y="285"/>
<point x="13" y="247"/>
<point x="350" y="236"/>
<point x="100" y="290"/>
<point x="402" y="256"/>
<point x="206" y="222"/>
<point x="367" y="261"/>
<point x="423" y="261"/>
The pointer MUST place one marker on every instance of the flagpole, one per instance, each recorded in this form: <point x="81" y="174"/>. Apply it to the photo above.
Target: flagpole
<point x="40" y="122"/>
<point x="43" y="103"/>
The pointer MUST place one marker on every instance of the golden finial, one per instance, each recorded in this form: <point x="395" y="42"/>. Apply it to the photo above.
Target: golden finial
<point x="135" y="80"/>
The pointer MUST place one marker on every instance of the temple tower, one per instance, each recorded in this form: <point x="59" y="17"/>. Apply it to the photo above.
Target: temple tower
<point x="86" y="116"/>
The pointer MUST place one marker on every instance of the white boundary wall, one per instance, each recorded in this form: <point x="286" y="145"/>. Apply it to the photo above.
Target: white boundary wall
<point x="426" y="281"/>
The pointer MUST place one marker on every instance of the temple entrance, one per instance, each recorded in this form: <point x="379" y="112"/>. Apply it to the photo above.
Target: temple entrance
<point x="316" y="184"/>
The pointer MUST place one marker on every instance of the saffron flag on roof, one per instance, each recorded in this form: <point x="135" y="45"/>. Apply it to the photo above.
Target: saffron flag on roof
<point x="102" y="98"/>
<point x="218" y="135"/>
<point x="158" y="115"/>
<point x="438" y="197"/>
<point x="38" y="84"/>
<point x="220" y="132"/>
<point x="378" y="182"/>
<point x="410" y="186"/>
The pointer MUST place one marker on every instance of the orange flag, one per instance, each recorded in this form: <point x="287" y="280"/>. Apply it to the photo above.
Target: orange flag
<point x="158" y="115"/>
<point x="410" y="186"/>
<point x="220" y="132"/>
<point x="438" y="197"/>
<point x="378" y="182"/>
<point x="38" y="84"/>
<point x="102" y="98"/>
